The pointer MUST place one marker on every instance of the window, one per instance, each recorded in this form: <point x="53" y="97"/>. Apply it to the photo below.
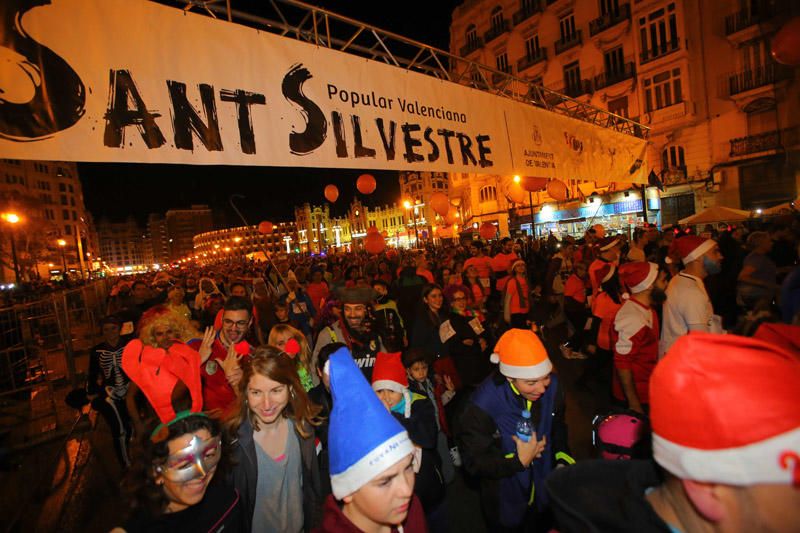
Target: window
<point x="74" y="216"/>
<point x="501" y="60"/>
<point x="488" y="193"/>
<point x="70" y="188"/>
<point x="663" y="90"/>
<point x="613" y="61"/>
<point x="572" y="76"/>
<point x="497" y="18"/>
<point x="62" y="187"/>
<point x="471" y="35"/>
<point x="672" y="157"/>
<point x="609" y="7"/>
<point x="68" y="229"/>
<point x="65" y="214"/>
<point x="567" y="25"/>
<point x="658" y="32"/>
<point x="532" y="47"/>
<point x="64" y="200"/>
<point x="619" y="106"/>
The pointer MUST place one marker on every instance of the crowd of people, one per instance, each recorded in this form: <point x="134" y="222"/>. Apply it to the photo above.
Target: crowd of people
<point x="347" y="392"/>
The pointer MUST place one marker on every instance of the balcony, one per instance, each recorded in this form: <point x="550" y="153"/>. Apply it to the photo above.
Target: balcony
<point x="496" y="31"/>
<point x="606" y="79"/>
<point x="526" y="12"/>
<point x="603" y="22"/>
<point x="529" y="61"/>
<point x="674" y="176"/>
<point x="574" y="90"/>
<point x="471" y="46"/>
<point x="564" y="44"/>
<point x="758" y="11"/>
<point x="666" y="47"/>
<point x="758" y="77"/>
<point x="771" y="140"/>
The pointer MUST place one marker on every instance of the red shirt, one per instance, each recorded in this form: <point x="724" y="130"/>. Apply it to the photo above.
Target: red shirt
<point x="501" y="263"/>
<point x="217" y="392"/>
<point x="635" y="342"/>
<point x="334" y="520"/>
<point x="575" y="288"/>
<point x="604" y="308"/>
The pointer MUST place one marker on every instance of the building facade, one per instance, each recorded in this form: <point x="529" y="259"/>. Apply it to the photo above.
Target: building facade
<point x="723" y="129"/>
<point x="124" y="246"/>
<point x="158" y="238"/>
<point x="181" y="227"/>
<point x="48" y="198"/>
<point x="243" y="242"/>
<point x="416" y="189"/>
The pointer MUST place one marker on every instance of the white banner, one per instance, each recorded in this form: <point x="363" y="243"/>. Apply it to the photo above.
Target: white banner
<point x="135" y="81"/>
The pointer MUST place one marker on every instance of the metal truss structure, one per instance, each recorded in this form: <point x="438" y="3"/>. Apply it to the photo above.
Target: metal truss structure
<point x="311" y="24"/>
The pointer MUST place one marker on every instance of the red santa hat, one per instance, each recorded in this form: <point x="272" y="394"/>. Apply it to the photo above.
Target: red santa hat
<point x="638" y="276"/>
<point x="607" y="243"/>
<point x="389" y="373"/>
<point x="689" y="248"/>
<point x="724" y="410"/>
<point x="604" y="273"/>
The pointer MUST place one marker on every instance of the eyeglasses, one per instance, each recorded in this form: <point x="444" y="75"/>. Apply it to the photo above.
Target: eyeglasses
<point x="241" y="324"/>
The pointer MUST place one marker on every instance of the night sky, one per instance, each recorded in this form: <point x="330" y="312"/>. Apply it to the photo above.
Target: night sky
<point x="117" y="191"/>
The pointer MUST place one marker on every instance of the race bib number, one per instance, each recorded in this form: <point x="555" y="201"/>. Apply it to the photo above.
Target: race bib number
<point x="299" y="308"/>
<point x="476" y="326"/>
<point x="485" y="282"/>
<point x="446" y="331"/>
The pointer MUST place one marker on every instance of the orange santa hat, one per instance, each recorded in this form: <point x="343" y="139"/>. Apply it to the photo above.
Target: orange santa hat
<point x="521" y="355"/>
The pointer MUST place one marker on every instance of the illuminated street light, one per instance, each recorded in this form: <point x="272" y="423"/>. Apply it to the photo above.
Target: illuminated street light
<point x="13" y="219"/>
<point x="62" y="244"/>
<point x="517" y="179"/>
<point x="237" y="240"/>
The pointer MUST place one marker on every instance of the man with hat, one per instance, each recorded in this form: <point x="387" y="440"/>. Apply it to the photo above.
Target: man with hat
<point x="511" y="470"/>
<point x="354" y="329"/>
<point x="726" y="436"/>
<point x="688" y="307"/>
<point x="635" y="334"/>
<point x="371" y="459"/>
<point x="608" y="252"/>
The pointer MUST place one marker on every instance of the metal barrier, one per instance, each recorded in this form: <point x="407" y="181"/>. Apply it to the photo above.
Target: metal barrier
<point x="38" y="340"/>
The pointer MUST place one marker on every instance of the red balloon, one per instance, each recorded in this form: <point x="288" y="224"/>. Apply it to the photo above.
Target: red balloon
<point x="450" y="217"/>
<point x="366" y="184"/>
<point x="533" y="184"/>
<point x="331" y="193"/>
<point x="516" y="194"/>
<point x="488" y="230"/>
<point x="265" y="227"/>
<point x="440" y="203"/>
<point x="374" y="243"/>
<point x="786" y="43"/>
<point x="558" y="190"/>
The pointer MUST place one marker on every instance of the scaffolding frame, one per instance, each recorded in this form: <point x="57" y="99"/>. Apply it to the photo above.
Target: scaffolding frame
<point x="318" y="26"/>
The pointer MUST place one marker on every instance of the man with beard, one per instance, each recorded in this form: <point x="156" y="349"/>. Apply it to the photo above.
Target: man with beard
<point x="635" y="334"/>
<point x="688" y="307"/>
<point x="354" y="329"/>
<point x="218" y="374"/>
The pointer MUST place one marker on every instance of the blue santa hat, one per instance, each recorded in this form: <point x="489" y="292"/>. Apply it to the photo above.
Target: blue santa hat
<point x="364" y="439"/>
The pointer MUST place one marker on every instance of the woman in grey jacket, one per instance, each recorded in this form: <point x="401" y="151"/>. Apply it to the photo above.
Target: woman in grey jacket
<point x="274" y="447"/>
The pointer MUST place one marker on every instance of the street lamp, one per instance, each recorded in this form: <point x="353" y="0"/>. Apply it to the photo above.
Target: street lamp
<point x="407" y="205"/>
<point x="517" y="179"/>
<point x="13" y="219"/>
<point x="62" y="244"/>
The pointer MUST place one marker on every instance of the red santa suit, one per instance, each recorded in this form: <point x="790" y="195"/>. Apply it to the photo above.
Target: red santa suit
<point x="635" y="342"/>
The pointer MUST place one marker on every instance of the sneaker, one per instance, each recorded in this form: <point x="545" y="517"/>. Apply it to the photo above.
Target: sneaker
<point x="455" y="455"/>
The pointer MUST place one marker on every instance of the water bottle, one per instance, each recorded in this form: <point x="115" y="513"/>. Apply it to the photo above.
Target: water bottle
<point x="524" y="427"/>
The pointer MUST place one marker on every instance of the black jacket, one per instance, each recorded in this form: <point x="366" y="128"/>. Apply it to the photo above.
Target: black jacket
<point x="471" y="363"/>
<point x="421" y="427"/>
<point x="605" y="496"/>
<point x="244" y="476"/>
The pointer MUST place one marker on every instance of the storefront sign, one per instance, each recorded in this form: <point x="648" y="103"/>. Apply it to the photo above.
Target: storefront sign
<point x="604" y="210"/>
<point x="135" y="81"/>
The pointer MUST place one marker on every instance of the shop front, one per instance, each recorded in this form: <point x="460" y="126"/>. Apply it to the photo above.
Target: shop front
<point x="619" y="213"/>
